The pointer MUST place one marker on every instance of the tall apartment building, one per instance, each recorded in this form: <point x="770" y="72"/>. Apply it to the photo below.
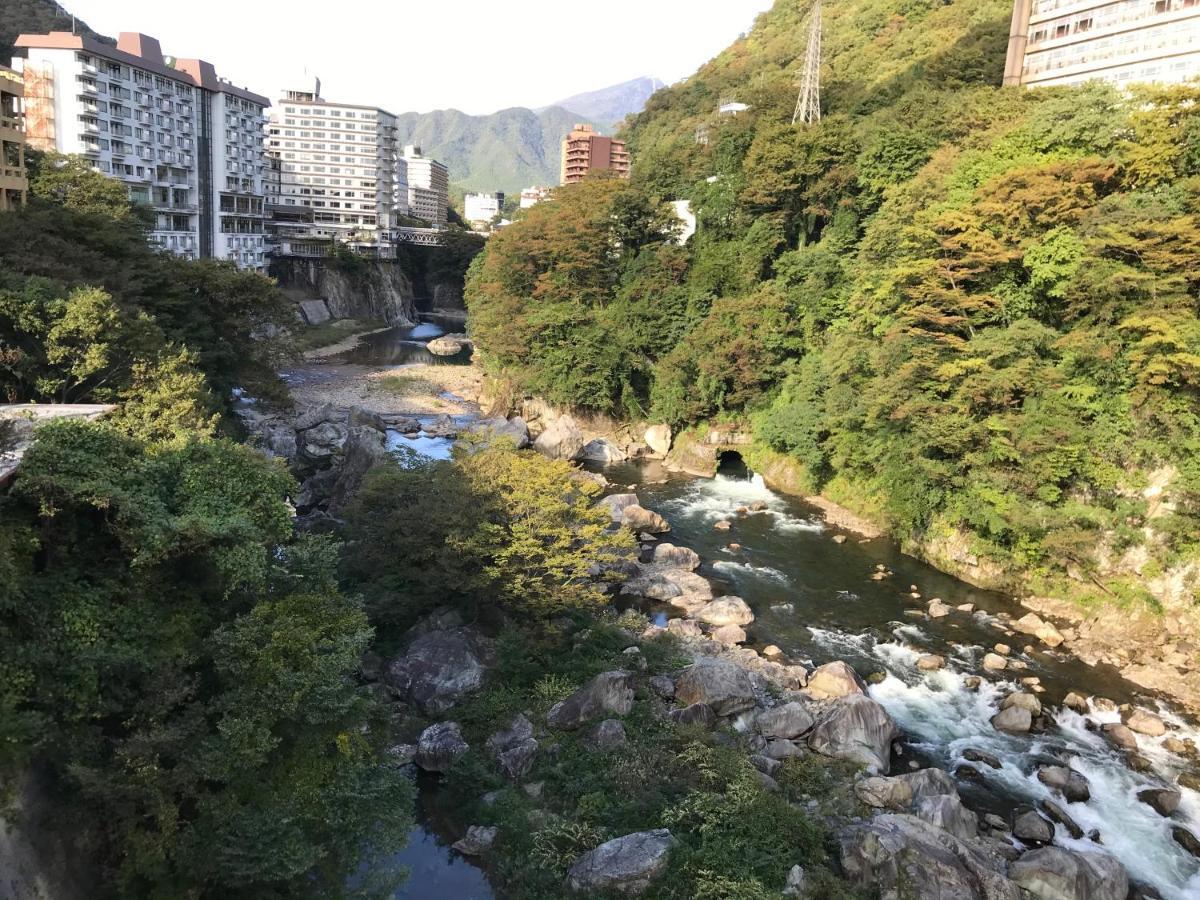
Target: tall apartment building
<point x="585" y="150"/>
<point x="187" y="143"/>
<point x="532" y="196"/>
<point x="1056" y="42"/>
<point x="339" y="161"/>
<point x="481" y="209"/>
<point x="13" y="183"/>
<point x="428" y="187"/>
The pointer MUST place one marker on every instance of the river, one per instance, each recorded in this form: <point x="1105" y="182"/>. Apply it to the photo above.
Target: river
<point x="817" y="600"/>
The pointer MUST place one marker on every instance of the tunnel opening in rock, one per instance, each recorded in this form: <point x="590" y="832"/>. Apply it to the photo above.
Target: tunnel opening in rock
<point x="731" y="465"/>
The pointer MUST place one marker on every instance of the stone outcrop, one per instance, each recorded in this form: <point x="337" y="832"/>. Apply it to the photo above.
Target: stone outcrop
<point x="514" y="748"/>
<point x="440" y="746"/>
<point x="722" y="685"/>
<point x="439" y="668"/>
<point x="725" y="611"/>
<point x="607" y="693"/>
<point x="562" y="439"/>
<point x="904" y="856"/>
<point x="626" y="865"/>
<point x="789" y="721"/>
<point x="1053" y="873"/>
<point x="373" y="289"/>
<point x="513" y="429"/>
<point x="832" y="680"/>
<point x="477" y="841"/>
<point x="858" y="729"/>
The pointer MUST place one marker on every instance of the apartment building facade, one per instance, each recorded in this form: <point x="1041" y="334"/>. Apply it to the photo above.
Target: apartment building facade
<point x="428" y="187"/>
<point x="532" y="196"/>
<point x="186" y="143"/>
<point x="14" y="185"/>
<point x="481" y="209"/>
<point x="1057" y="42"/>
<point x="585" y="150"/>
<point x="338" y="161"/>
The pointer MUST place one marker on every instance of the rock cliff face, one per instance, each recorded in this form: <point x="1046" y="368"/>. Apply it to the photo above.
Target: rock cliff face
<point x="369" y="289"/>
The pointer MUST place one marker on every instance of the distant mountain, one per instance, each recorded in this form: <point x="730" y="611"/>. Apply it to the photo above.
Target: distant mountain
<point x="610" y="105"/>
<point x="506" y="151"/>
<point x="35" y="17"/>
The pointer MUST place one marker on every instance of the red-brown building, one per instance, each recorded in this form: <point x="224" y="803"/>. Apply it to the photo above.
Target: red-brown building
<point x="585" y="151"/>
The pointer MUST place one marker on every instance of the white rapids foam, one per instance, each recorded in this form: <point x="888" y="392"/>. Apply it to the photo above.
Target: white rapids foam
<point x="722" y="496"/>
<point x="743" y="570"/>
<point x="422" y="444"/>
<point x="940" y="715"/>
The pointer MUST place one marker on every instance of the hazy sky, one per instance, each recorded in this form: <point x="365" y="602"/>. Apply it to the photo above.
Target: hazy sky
<point x="473" y="55"/>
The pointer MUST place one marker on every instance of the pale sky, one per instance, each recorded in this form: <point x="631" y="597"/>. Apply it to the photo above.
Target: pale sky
<point x="475" y="55"/>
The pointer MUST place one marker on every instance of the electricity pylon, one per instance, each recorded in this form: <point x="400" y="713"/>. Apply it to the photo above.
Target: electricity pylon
<point x="808" y="104"/>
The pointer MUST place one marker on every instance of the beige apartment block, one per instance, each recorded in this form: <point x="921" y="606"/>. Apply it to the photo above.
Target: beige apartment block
<point x="585" y="150"/>
<point x="13" y="183"/>
<point x="1057" y="42"/>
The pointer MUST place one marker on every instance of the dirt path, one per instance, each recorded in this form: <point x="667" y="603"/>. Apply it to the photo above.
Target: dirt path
<point x="414" y="390"/>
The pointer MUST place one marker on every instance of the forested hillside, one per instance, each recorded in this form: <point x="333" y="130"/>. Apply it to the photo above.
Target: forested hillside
<point x="35" y="17"/>
<point x="960" y="309"/>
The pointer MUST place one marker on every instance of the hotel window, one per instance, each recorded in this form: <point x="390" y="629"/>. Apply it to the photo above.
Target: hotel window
<point x="1083" y="25"/>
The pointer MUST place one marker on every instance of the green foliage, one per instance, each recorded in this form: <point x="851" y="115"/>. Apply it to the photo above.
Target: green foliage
<point x="494" y="527"/>
<point x="183" y="667"/>
<point x="957" y="306"/>
<point x="71" y="182"/>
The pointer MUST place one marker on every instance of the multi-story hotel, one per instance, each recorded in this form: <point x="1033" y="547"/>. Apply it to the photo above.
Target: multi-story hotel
<point x="481" y="209"/>
<point x="584" y="150"/>
<point x="1055" y="42"/>
<point x="187" y="143"/>
<point x="13" y="183"/>
<point x="428" y="187"/>
<point x="337" y="161"/>
<point x="532" y="196"/>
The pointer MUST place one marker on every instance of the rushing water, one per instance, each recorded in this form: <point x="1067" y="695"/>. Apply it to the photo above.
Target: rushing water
<point x="816" y="600"/>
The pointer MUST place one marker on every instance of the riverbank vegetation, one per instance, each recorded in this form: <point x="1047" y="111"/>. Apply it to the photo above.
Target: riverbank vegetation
<point x="962" y="307"/>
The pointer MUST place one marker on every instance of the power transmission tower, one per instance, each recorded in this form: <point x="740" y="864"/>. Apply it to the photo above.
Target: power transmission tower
<point x="808" y="104"/>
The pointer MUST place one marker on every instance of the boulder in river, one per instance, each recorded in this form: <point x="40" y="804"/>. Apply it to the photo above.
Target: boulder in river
<point x="931" y="662"/>
<point x="626" y="865"/>
<point x="616" y="504"/>
<point x="980" y="756"/>
<point x="1053" y="873"/>
<point x="676" y="557"/>
<point x="1144" y="722"/>
<point x="608" y="692"/>
<point x="1039" y="628"/>
<point x="902" y="855"/>
<point x="1186" y="839"/>
<point x="994" y="662"/>
<point x="1119" y="736"/>
<point x="448" y="344"/>
<point x="602" y="450"/>
<point x="1023" y="701"/>
<point x="513" y="429"/>
<point x="658" y="439"/>
<point x="1029" y="826"/>
<point x="641" y="519"/>
<point x="832" y="680"/>
<point x="858" y="729"/>
<point x="477" y="841"/>
<point x="723" y="685"/>
<point x="729" y="635"/>
<point x="1056" y="813"/>
<point x="937" y="609"/>
<point x="1163" y="801"/>
<point x="726" y="611"/>
<point x="439" y="746"/>
<point x="1014" y="720"/>
<point x="561" y="439"/>
<point x="1073" y="786"/>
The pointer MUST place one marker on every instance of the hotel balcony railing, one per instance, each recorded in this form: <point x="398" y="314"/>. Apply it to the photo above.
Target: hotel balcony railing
<point x="12" y="171"/>
<point x="12" y="122"/>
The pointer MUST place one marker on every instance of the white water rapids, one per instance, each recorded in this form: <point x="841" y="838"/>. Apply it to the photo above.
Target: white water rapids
<point x="941" y="717"/>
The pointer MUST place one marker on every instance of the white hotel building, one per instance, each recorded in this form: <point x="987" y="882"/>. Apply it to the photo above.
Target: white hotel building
<point x="1057" y="42"/>
<point x="187" y="143"/>
<point x="428" y="187"/>
<point x="336" y="172"/>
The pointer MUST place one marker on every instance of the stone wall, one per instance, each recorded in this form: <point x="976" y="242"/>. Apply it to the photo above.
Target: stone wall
<point x="369" y="289"/>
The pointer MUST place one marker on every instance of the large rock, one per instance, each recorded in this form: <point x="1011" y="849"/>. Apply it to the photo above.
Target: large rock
<point x="724" y="686"/>
<point x="900" y="792"/>
<point x="726" y="611"/>
<point x="625" y="865"/>
<point x="1042" y="630"/>
<point x="1014" y="720"/>
<point x="858" y="729"/>
<point x="609" y="693"/>
<point x="439" y="746"/>
<point x="658" y="439"/>
<point x="696" y="714"/>
<point x="1030" y="826"/>
<point x="608" y="735"/>
<point x="1119" y="736"/>
<point x="1144" y="722"/>
<point x="658" y="583"/>
<point x="440" y="668"/>
<point x="947" y="812"/>
<point x="616" y="504"/>
<point x="514" y="429"/>
<point x="477" y="841"/>
<point x="1073" y="786"/>
<point x="1053" y="873"/>
<point x="514" y="748"/>
<point x="1023" y="701"/>
<point x="904" y="857"/>
<point x="832" y="680"/>
<point x="448" y="344"/>
<point x="1163" y="801"/>
<point x="562" y="439"/>
<point x="641" y="519"/>
<point x="675" y="557"/>
<point x="788" y="721"/>
<point x="602" y="450"/>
